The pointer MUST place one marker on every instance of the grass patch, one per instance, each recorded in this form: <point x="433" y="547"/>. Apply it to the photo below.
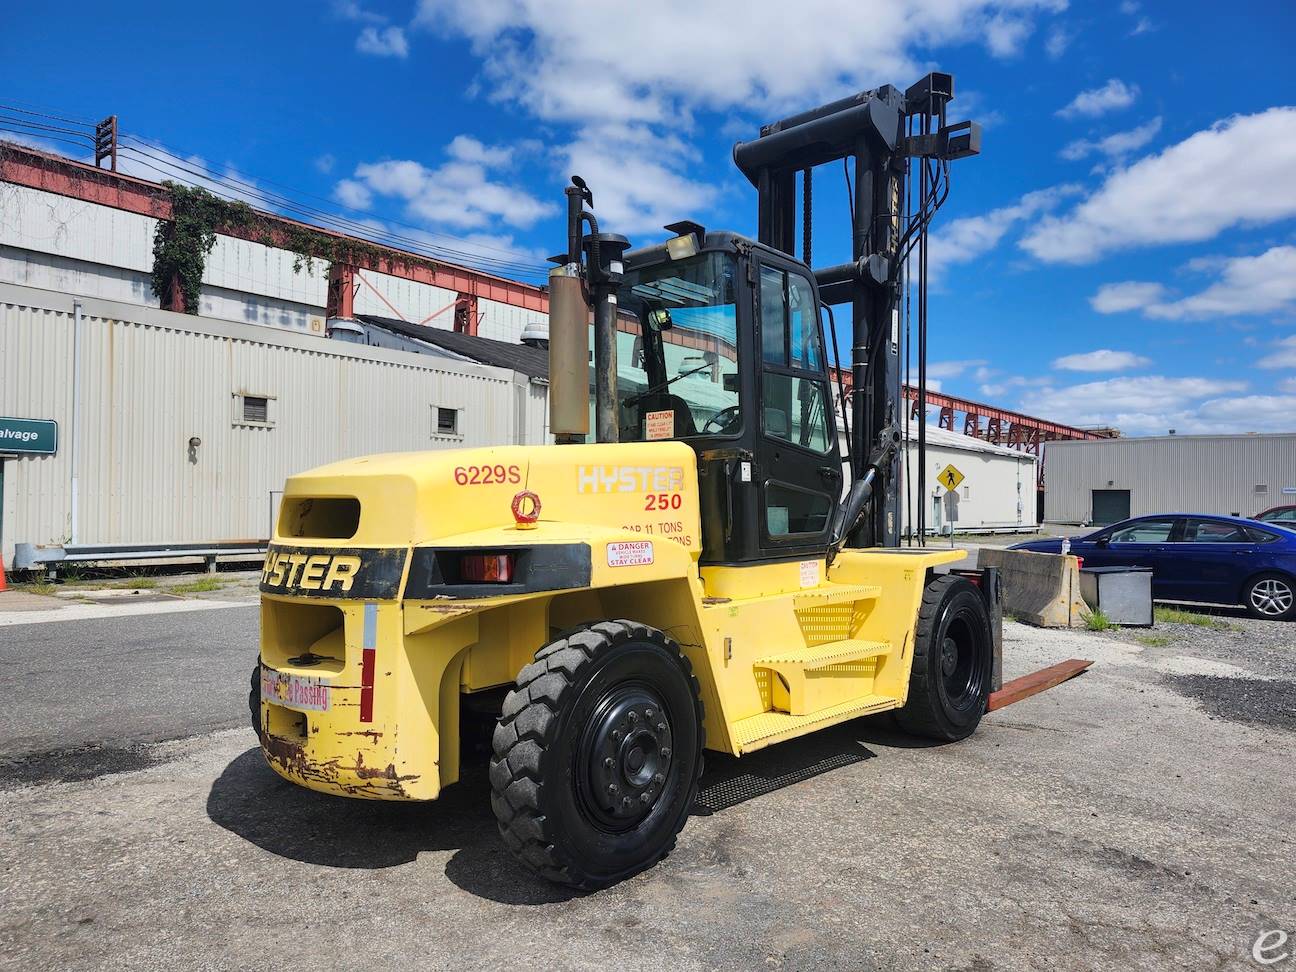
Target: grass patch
<point x="1097" y="621"/>
<point x="1154" y="640"/>
<point x="35" y="587"/>
<point x="138" y="584"/>
<point x="198" y="586"/>
<point x="1169" y="615"/>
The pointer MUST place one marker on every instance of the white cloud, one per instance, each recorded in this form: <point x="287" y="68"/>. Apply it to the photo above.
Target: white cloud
<point x="383" y="42"/>
<point x="1058" y="40"/>
<point x="1114" y="146"/>
<point x="1101" y="360"/>
<point x="629" y="69"/>
<point x="997" y="389"/>
<point x="1145" y="405"/>
<point x="460" y="193"/>
<point x="325" y="163"/>
<point x="350" y="10"/>
<point x="1283" y="357"/>
<point x="353" y="194"/>
<point x="951" y="369"/>
<point x="640" y="179"/>
<point x="1143" y="26"/>
<point x="1263" y="284"/>
<point x="1098" y="101"/>
<point x="972" y="237"/>
<point x="1287" y="385"/>
<point x="1238" y="172"/>
<point x="575" y="66"/>
<point x="1128" y="295"/>
<point x="1130" y="7"/>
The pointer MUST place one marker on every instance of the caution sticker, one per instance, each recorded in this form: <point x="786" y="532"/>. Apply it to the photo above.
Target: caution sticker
<point x="629" y="553"/>
<point x="809" y="573"/>
<point x="660" y="425"/>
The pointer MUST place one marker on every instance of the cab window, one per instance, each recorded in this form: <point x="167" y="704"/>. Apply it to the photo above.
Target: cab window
<point x="677" y="350"/>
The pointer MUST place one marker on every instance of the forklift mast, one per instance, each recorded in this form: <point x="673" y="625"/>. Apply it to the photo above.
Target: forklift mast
<point x="883" y="131"/>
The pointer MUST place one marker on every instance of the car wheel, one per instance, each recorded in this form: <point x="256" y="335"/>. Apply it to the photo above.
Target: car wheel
<point x="1271" y="596"/>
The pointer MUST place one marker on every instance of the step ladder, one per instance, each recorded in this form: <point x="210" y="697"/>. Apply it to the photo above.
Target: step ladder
<point x="798" y="690"/>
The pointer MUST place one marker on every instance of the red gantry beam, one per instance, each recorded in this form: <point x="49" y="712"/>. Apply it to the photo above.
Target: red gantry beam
<point x="52" y="173"/>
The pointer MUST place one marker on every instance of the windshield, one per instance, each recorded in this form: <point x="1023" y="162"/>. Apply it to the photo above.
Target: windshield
<point x="677" y="363"/>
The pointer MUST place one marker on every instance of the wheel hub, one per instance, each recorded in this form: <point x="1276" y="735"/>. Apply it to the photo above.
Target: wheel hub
<point x="626" y="755"/>
<point x="1272" y="597"/>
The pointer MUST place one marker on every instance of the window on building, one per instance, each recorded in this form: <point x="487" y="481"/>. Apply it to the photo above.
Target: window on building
<point x="447" y="421"/>
<point x="256" y="409"/>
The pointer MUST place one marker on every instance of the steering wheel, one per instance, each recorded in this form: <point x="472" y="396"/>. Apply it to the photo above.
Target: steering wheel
<point x="721" y="420"/>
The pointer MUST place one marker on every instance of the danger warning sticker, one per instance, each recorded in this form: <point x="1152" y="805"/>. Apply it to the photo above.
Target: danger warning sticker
<point x="629" y="553"/>
<point x="659" y="425"/>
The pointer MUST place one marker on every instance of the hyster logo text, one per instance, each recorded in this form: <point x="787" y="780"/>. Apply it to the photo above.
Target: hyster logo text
<point x="629" y="479"/>
<point x="311" y="572"/>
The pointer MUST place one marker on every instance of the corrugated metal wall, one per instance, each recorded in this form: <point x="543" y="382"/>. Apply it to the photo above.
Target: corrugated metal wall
<point x="1171" y="474"/>
<point x="151" y="380"/>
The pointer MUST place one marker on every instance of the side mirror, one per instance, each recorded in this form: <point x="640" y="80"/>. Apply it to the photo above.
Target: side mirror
<point x="660" y="319"/>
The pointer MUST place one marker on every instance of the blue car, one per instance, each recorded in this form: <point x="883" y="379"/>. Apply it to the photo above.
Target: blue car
<point x="1195" y="557"/>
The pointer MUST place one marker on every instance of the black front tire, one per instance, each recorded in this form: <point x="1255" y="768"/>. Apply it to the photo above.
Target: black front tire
<point x="597" y="754"/>
<point x="953" y="656"/>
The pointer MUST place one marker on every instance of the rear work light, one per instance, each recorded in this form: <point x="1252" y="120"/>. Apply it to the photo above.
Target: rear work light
<point x="487" y="568"/>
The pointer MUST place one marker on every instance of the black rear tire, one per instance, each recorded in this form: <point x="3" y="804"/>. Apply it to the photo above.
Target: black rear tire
<point x="953" y="656"/>
<point x="597" y="754"/>
<point x="1271" y="597"/>
<point x="254" y="699"/>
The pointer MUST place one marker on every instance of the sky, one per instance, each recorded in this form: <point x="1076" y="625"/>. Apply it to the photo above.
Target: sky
<point x="1122" y="252"/>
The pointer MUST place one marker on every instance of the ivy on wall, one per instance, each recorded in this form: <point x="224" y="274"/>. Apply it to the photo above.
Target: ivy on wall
<point x="182" y="243"/>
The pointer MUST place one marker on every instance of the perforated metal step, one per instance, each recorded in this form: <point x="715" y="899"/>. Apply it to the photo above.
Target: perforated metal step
<point x="834" y="594"/>
<point x="758" y="731"/>
<point x="831" y="653"/>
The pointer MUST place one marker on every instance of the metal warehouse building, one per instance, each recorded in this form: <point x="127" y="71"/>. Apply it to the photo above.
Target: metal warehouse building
<point x="174" y="429"/>
<point x="997" y="492"/>
<point x="1108" y="480"/>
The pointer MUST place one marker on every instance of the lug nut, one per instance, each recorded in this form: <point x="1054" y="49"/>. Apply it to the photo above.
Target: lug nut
<point x="658" y="778"/>
<point x="609" y="762"/>
<point x="613" y="789"/>
<point x="661" y="727"/>
<point x="634" y="717"/>
<point x="648" y="713"/>
<point x="645" y="798"/>
<point x="616" y="734"/>
<point x="666" y="751"/>
<point x="626" y="801"/>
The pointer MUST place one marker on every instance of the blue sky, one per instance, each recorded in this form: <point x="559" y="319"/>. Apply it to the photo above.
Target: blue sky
<point x="1123" y="251"/>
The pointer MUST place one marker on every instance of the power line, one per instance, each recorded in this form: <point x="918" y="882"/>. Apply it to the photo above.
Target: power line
<point x="241" y="188"/>
<point x="167" y="164"/>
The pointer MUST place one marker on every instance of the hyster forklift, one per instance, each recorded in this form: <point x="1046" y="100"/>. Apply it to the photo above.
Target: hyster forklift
<point x="713" y="571"/>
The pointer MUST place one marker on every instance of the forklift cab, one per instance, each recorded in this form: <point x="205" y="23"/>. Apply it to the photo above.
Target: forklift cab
<point x="720" y="345"/>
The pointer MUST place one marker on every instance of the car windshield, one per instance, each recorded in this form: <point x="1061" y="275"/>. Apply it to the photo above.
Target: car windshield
<point x="677" y="359"/>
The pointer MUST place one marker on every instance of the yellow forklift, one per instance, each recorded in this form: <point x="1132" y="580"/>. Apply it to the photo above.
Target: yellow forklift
<point x="712" y="571"/>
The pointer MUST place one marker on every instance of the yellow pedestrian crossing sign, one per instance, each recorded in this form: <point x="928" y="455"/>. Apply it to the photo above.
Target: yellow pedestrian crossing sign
<point x="950" y="477"/>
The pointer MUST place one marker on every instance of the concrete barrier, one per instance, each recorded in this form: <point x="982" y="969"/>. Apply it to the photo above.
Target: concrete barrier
<point x="1039" y="588"/>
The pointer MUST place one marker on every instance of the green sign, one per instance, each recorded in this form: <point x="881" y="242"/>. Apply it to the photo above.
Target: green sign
<point x="33" y="437"/>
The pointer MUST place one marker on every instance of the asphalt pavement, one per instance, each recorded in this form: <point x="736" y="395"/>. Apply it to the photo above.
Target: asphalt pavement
<point x="96" y="690"/>
<point x="1137" y="817"/>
